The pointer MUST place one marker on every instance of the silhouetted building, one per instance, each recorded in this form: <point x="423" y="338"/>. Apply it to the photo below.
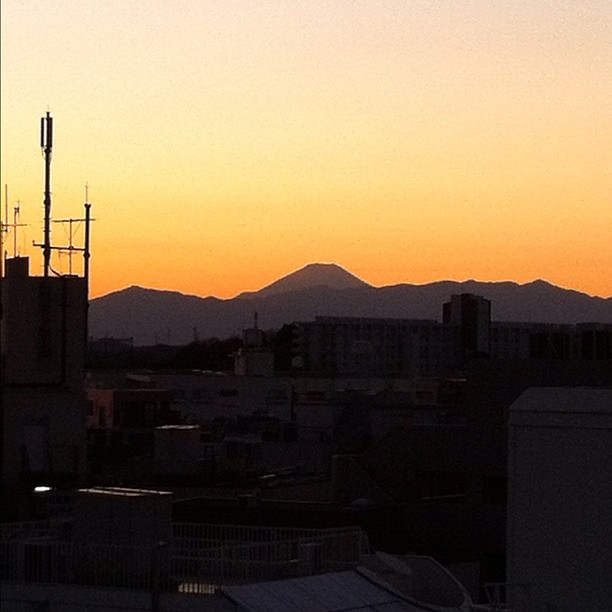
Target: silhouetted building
<point x="253" y="358"/>
<point x="121" y="427"/>
<point x="350" y="346"/>
<point x="472" y="315"/>
<point x="44" y="321"/>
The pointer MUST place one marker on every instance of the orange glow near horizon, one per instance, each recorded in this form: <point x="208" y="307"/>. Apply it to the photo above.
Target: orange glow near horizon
<point x="227" y="144"/>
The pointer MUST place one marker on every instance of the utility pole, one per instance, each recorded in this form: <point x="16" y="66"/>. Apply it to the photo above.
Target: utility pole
<point x="46" y="143"/>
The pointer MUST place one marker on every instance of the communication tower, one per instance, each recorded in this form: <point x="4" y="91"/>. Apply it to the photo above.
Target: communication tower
<point x="46" y="143"/>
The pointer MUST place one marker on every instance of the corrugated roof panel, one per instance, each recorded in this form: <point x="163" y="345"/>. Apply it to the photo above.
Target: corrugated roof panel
<point x="322" y="593"/>
<point x="564" y="399"/>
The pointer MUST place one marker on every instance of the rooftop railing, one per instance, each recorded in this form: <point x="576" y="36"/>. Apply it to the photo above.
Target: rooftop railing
<point x="198" y="557"/>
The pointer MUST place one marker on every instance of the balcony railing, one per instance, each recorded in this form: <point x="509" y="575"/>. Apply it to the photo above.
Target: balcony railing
<point x="198" y="557"/>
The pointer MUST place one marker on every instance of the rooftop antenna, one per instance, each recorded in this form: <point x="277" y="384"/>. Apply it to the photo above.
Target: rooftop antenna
<point x="70" y="249"/>
<point x="15" y="219"/>
<point x="15" y="225"/>
<point x="46" y="144"/>
<point x="6" y="226"/>
<point x="86" y="250"/>
<point x="3" y="229"/>
<point x="6" y="207"/>
<point x="3" y="226"/>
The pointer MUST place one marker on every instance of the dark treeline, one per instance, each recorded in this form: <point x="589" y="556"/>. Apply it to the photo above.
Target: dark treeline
<point x="209" y="354"/>
<point x="216" y="354"/>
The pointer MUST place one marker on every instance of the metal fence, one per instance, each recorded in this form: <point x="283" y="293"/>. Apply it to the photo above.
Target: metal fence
<point x="58" y="528"/>
<point x="197" y="559"/>
<point x="298" y="554"/>
<point x="190" y="536"/>
<point x="45" y="560"/>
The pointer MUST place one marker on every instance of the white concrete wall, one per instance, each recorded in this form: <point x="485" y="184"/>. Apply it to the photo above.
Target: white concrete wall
<point x="560" y="498"/>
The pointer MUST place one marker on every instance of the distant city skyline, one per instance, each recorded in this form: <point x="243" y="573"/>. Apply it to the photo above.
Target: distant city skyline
<point x="227" y="144"/>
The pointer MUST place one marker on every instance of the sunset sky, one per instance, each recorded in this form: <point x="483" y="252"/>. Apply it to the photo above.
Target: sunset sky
<point x="229" y="142"/>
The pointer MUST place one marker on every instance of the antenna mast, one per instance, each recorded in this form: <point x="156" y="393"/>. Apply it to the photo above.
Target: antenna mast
<point x="87" y="248"/>
<point x="16" y="224"/>
<point x="3" y="229"/>
<point x="6" y="204"/>
<point x="46" y="143"/>
<point x="6" y="227"/>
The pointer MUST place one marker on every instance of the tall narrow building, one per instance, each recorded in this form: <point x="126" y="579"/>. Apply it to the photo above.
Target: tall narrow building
<point x="44" y="406"/>
<point x="43" y="399"/>
<point x="472" y="314"/>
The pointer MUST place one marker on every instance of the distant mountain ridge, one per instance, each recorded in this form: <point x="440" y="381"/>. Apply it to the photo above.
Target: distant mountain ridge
<point x="151" y="316"/>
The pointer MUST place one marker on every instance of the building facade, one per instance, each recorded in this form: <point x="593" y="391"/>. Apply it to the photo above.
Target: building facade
<point x="351" y="346"/>
<point x="559" y="498"/>
<point x="44" y="322"/>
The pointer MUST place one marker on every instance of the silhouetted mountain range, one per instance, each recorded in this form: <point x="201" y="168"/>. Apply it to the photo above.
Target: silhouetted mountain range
<point x="152" y="316"/>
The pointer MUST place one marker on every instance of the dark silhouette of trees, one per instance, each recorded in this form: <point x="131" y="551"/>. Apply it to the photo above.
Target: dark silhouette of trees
<point x="210" y="354"/>
<point x="216" y="354"/>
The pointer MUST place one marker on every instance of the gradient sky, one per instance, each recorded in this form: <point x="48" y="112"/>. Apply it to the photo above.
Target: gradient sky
<point x="229" y="142"/>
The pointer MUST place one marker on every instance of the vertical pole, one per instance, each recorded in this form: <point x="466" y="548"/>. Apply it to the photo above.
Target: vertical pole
<point x="292" y="404"/>
<point x="86" y="253"/>
<point x="156" y="574"/>
<point x="70" y="222"/>
<point x="15" y="214"/>
<point x="3" y="503"/>
<point x="46" y="141"/>
<point x="2" y="229"/>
